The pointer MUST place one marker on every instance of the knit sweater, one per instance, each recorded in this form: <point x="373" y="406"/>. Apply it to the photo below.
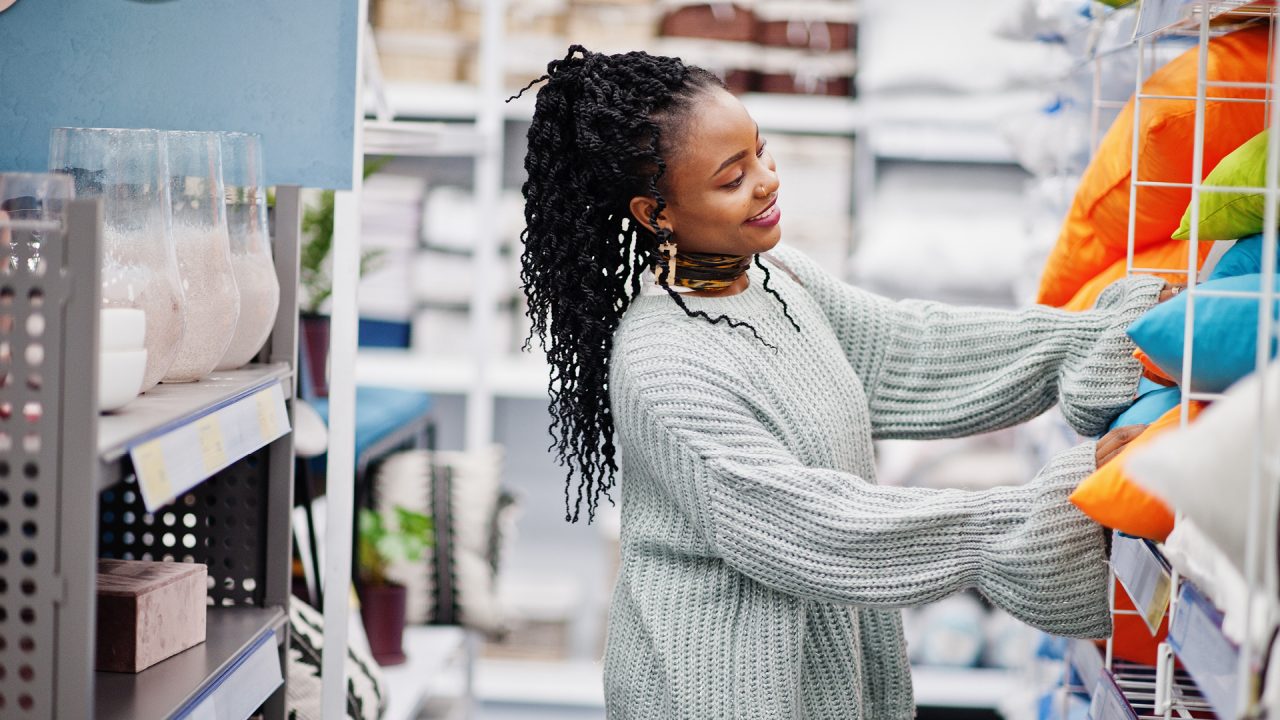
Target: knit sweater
<point x="762" y="567"/>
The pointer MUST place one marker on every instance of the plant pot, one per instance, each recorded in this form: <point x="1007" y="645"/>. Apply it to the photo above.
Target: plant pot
<point x="383" y="611"/>
<point x="313" y="344"/>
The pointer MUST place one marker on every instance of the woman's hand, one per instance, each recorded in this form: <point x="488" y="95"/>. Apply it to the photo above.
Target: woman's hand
<point x="1170" y="291"/>
<point x="1167" y="293"/>
<point x="1113" y="442"/>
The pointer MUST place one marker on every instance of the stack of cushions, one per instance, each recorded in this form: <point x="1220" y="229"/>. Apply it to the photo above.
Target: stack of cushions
<point x="1224" y="348"/>
<point x="1095" y="236"/>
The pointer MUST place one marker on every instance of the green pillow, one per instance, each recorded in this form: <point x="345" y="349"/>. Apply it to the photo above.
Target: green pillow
<point x="1228" y="216"/>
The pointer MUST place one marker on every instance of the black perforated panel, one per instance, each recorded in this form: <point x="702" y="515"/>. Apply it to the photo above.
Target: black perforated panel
<point x="218" y="524"/>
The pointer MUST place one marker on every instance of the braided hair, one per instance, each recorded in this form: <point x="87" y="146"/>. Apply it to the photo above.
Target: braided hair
<point x="602" y="126"/>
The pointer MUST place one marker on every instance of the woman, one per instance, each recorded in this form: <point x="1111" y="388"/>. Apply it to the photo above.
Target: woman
<point x="762" y="568"/>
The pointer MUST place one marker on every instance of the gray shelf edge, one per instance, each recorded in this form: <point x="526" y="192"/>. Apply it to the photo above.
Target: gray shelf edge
<point x="110" y="455"/>
<point x="272" y="619"/>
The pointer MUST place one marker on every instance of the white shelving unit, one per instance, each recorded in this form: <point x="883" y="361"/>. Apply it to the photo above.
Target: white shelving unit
<point x="1218" y="677"/>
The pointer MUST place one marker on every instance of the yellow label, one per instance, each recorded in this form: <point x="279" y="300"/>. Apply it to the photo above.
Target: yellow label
<point x="1159" y="603"/>
<point x="212" y="450"/>
<point x="148" y="463"/>
<point x="266" y="414"/>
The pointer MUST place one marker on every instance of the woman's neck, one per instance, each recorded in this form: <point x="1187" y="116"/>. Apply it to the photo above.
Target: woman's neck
<point x="701" y="274"/>
<point x="737" y="286"/>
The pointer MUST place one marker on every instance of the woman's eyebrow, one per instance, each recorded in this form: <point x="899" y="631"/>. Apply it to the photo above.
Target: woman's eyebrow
<point x="736" y="156"/>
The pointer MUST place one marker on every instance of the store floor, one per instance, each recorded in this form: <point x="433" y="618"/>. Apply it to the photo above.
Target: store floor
<point x="516" y="712"/>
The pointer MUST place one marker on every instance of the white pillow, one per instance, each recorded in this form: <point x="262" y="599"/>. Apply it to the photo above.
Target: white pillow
<point x="1205" y="470"/>
<point x="1200" y="560"/>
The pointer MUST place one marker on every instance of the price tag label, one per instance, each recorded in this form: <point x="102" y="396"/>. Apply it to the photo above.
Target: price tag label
<point x="212" y="449"/>
<point x="153" y="476"/>
<point x="266" y="415"/>
<point x="1159" y="603"/>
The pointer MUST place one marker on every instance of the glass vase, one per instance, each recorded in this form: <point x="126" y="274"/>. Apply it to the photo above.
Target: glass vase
<point x="199" y="214"/>
<point x="255" y="271"/>
<point x="128" y="169"/>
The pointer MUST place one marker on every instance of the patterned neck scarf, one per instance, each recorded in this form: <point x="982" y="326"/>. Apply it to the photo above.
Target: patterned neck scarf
<point x="699" y="271"/>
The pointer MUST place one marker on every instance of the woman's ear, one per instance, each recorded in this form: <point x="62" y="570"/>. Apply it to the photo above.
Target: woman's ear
<point x="642" y="208"/>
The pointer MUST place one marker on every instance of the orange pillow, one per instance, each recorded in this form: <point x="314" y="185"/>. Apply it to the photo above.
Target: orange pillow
<point x="1095" y="233"/>
<point x="1169" y="255"/>
<point x="1151" y="370"/>
<point x="1111" y="498"/>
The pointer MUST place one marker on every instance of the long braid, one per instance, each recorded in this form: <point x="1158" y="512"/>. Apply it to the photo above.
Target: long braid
<point x="594" y="143"/>
<point x="786" y="310"/>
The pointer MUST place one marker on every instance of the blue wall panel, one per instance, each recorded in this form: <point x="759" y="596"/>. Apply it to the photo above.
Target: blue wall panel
<point x="284" y="68"/>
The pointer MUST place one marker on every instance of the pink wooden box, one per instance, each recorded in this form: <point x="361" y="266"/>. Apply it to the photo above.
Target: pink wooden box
<point x="148" y="611"/>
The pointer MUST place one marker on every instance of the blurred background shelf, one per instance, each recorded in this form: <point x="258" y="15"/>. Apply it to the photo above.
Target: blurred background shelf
<point x="523" y="376"/>
<point x="460" y="102"/>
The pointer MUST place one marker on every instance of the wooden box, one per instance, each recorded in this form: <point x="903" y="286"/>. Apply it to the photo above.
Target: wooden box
<point x="148" y="611"/>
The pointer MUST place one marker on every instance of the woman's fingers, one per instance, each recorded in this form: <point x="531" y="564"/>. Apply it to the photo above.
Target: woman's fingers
<point x="1170" y="291"/>
<point x="1115" y="441"/>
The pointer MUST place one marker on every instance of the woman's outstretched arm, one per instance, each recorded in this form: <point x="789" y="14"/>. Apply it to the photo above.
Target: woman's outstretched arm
<point x="932" y="370"/>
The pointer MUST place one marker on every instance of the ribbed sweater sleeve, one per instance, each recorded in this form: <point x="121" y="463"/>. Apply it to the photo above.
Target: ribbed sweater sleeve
<point x="932" y="370"/>
<point x="831" y="536"/>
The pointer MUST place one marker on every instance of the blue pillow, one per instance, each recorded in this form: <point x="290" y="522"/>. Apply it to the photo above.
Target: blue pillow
<point x="1149" y="406"/>
<point x="1226" y="335"/>
<point x="1244" y="258"/>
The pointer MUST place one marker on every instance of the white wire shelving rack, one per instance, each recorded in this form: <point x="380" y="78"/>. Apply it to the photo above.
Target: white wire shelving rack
<point x="1199" y="671"/>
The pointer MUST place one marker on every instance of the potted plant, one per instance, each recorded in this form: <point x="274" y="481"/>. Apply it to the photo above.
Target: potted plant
<point x="316" y="281"/>
<point x="383" y="602"/>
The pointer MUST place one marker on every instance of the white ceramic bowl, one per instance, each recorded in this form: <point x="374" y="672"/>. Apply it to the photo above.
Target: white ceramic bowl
<point x="123" y="329"/>
<point x="119" y="377"/>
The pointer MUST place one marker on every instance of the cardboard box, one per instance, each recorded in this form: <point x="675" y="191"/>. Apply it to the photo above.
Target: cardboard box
<point x="148" y="611"/>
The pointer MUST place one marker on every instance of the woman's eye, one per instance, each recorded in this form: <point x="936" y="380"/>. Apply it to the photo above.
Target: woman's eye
<point x="760" y="152"/>
<point x="736" y="182"/>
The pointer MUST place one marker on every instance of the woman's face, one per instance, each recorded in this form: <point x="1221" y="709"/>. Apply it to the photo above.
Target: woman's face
<point x="721" y="183"/>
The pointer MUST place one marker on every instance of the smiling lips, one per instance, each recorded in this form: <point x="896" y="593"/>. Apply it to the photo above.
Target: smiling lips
<point x="767" y="217"/>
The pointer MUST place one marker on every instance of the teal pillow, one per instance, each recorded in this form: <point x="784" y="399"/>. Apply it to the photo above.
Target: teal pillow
<point x="1226" y="335"/>
<point x="1244" y="258"/>
<point x="1149" y="406"/>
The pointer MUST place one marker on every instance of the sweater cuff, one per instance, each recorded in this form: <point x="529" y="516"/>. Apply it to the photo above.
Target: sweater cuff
<point x="1051" y="570"/>
<point x="1097" y="384"/>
